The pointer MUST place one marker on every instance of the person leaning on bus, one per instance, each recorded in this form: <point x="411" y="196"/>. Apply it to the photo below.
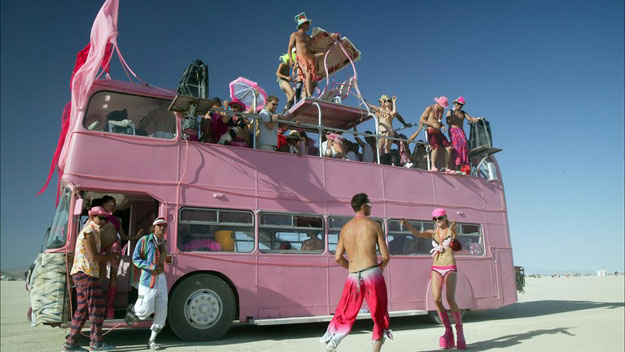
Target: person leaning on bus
<point x="149" y="256"/>
<point x="444" y="270"/>
<point x="85" y="274"/>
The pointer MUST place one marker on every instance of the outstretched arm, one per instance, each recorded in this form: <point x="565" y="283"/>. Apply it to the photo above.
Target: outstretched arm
<point x="422" y="234"/>
<point x="414" y="135"/>
<point x="471" y="119"/>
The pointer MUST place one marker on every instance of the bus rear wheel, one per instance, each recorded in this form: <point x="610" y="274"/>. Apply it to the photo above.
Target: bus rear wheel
<point x="434" y="318"/>
<point x="201" y="308"/>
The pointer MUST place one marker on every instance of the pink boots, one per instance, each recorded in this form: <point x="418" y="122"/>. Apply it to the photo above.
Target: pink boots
<point x="462" y="344"/>
<point x="447" y="340"/>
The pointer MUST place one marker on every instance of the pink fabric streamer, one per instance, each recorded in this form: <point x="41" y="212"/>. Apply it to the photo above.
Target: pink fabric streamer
<point x="95" y="55"/>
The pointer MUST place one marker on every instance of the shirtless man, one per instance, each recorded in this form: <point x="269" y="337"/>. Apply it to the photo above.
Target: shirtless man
<point x="305" y="54"/>
<point x="455" y="121"/>
<point x="431" y="118"/>
<point x="386" y="112"/>
<point x="359" y="238"/>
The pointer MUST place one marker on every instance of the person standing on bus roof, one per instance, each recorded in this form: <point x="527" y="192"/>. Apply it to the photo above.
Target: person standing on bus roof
<point x="268" y="125"/>
<point x="431" y="118"/>
<point x="149" y="256"/>
<point x="443" y="271"/>
<point x="455" y="121"/>
<point x="365" y="280"/>
<point x="85" y="275"/>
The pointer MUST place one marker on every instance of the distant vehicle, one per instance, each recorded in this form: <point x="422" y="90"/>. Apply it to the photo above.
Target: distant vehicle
<point x="519" y="272"/>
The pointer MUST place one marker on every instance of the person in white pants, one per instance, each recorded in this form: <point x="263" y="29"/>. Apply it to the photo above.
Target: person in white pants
<point x="149" y="256"/>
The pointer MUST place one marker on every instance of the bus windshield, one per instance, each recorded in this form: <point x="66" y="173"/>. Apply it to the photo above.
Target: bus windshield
<point x="56" y="236"/>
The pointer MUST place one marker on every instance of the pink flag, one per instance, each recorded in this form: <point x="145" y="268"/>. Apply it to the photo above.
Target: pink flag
<point x="103" y="37"/>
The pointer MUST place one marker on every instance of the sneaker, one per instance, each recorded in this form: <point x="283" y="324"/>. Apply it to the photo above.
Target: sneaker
<point x="131" y="317"/>
<point x="68" y="347"/>
<point x="153" y="346"/>
<point x="331" y="347"/>
<point x="101" y="347"/>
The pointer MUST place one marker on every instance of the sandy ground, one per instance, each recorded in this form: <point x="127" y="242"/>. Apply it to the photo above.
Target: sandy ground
<point x="565" y="314"/>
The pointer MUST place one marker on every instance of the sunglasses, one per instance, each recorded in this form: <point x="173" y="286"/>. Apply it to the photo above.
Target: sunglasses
<point x="439" y="218"/>
<point x="387" y="100"/>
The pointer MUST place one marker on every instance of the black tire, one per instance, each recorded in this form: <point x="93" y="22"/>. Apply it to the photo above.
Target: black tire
<point x="187" y="318"/>
<point x="435" y="319"/>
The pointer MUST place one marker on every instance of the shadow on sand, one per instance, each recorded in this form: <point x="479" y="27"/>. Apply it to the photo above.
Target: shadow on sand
<point x="242" y="333"/>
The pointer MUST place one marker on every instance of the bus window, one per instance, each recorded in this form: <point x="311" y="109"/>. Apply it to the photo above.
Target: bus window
<point x="290" y="233"/>
<point x="335" y="224"/>
<point x="402" y="242"/>
<point x="215" y="230"/>
<point x="470" y="235"/>
<point x="130" y="114"/>
<point x="57" y="235"/>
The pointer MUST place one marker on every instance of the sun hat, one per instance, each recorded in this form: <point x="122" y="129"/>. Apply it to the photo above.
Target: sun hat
<point x="442" y="101"/>
<point x="98" y="211"/>
<point x="460" y="100"/>
<point x="293" y="135"/>
<point x="439" y="212"/>
<point x="239" y="103"/>
<point x="384" y="97"/>
<point x="301" y="19"/>
<point x="159" y="221"/>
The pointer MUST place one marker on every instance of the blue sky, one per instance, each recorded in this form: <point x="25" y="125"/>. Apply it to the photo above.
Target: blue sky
<point x="548" y="75"/>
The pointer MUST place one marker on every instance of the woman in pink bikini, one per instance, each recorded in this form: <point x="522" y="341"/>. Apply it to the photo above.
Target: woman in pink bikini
<point x="443" y="271"/>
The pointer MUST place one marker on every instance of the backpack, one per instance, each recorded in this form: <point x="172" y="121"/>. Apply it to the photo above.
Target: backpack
<point x="194" y="80"/>
<point x="193" y="83"/>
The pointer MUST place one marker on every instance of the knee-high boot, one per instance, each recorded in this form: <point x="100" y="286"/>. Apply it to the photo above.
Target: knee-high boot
<point x="447" y="340"/>
<point x="462" y="344"/>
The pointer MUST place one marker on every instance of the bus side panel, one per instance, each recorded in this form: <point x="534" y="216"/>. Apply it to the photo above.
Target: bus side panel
<point x="408" y="284"/>
<point x="505" y="269"/>
<point x="288" y="292"/>
<point x="493" y="196"/>
<point x="459" y="191"/>
<point x="496" y="235"/>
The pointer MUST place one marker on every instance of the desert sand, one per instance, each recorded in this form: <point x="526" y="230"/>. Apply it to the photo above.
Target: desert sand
<point x="564" y="314"/>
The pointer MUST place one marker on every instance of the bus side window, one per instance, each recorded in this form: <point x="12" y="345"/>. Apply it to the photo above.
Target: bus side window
<point x="291" y="233"/>
<point x="403" y="242"/>
<point x="336" y="223"/>
<point x="215" y="230"/>
<point x="470" y="236"/>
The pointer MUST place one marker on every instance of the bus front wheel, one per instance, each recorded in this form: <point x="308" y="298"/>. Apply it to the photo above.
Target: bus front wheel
<point x="201" y="308"/>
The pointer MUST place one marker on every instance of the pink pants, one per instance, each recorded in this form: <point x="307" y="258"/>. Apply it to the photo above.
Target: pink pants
<point x="367" y="284"/>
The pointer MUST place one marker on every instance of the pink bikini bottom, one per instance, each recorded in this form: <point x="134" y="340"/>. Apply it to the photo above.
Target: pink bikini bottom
<point x="444" y="270"/>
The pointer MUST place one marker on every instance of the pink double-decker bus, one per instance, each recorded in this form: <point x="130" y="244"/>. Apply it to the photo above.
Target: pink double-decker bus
<point x="252" y="233"/>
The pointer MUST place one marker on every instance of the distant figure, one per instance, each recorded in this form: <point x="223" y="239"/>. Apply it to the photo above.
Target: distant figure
<point x="443" y="271"/>
<point x="85" y="275"/>
<point x="455" y="121"/>
<point x="431" y="118"/>
<point x="149" y="256"/>
<point x="268" y="137"/>
<point x="359" y="238"/>
<point x="313" y="243"/>
<point x="333" y="146"/>
<point x="386" y="112"/>
<point x="295" y="143"/>
<point x="284" y="79"/>
<point x="369" y="150"/>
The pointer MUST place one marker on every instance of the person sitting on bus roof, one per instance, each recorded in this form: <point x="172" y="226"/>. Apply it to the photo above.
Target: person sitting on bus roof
<point x="369" y="151"/>
<point x="313" y="243"/>
<point x="268" y="137"/>
<point x="310" y="148"/>
<point x="404" y="152"/>
<point x="295" y="143"/>
<point x="238" y="132"/>
<point x="149" y="256"/>
<point x="212" y="126"/>
<point x="431" y="118"/>
<point x="352" y="150"/>
<point x="332" y="147"/>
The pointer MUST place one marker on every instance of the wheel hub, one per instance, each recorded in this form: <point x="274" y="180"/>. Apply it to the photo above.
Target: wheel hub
<point x="203" y="308"/>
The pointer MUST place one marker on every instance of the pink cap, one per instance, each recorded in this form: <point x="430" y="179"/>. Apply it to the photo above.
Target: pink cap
<point x="98" y="211"/>
<point x="442" y="101"/>
<point x="159" y="221"/>
<point x="439" y="212"/>
<point x="460" y="100"/>
<point x="239" y="103"/>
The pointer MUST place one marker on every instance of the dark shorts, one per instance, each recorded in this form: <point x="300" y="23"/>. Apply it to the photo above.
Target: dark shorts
<point x="437" y="139"/>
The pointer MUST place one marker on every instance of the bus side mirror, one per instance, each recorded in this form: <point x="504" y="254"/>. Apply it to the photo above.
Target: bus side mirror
<point x="78" y="207"/>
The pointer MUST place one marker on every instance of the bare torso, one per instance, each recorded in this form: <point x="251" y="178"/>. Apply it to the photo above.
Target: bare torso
<point x="433" y="115"/>
<point x="456" y="119"/>
<point x="386" y="119"/>
<point x="447" y="257"/>
<point x="360" y="236"/>
<point x="303" y="44"/>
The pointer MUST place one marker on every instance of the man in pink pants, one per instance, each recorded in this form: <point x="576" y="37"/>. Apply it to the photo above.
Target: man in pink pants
<point x="359" y="238"/>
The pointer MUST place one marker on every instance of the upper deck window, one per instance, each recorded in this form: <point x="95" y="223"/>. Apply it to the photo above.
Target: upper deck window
<point x="215" y="230"/>
<point x="130" y="114"/>
<point x="291" y="233"/>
